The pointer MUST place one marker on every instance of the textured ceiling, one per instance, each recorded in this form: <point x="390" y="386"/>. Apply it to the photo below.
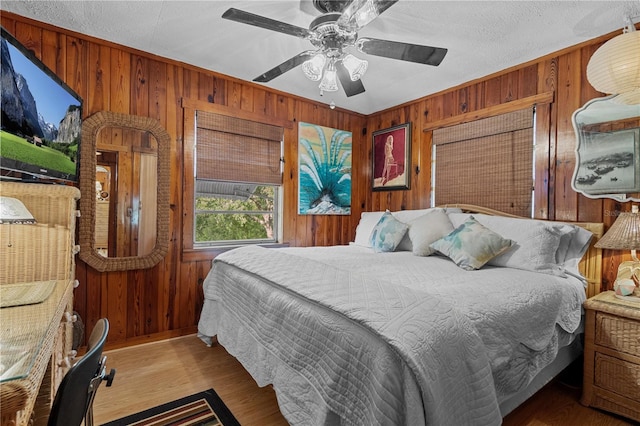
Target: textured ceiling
<point x="483" y="37"/>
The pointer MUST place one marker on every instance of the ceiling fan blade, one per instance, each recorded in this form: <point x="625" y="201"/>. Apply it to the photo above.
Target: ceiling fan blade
<point x="284" y="67"/>
<point x="403" y="51"/>
<point x="350" y="87"/>
<point x="267" y="23"/>
<point x="360" y="12"/>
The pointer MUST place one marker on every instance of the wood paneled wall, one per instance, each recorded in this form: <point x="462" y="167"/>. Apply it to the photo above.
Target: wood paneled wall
<point x="558" y="85"/>
<point x="165" y="300"/>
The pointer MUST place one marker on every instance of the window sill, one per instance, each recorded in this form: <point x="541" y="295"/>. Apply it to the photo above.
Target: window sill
<point x="209" y="253"/>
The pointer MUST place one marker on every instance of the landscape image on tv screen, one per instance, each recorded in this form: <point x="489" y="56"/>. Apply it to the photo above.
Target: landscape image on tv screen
<point x="41" y="119"/>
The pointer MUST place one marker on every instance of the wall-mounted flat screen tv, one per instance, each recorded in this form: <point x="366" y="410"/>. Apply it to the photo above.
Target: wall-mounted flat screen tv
<point x="41" y="119"/>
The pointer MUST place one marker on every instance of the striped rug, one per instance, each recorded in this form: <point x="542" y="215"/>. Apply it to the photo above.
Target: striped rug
<point x="201" y="409"/>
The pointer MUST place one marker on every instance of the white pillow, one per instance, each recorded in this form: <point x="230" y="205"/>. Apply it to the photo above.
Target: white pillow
<point x="565" y="242"/>
<point x="576" y="248"/>
<point x="408" y="216"/>
<point x="368" y="221"/>
<point x="426" y="229"/>
<point x="535" y="246"/>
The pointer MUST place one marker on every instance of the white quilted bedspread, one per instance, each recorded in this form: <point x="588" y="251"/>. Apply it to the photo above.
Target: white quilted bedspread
<point x="386" y="338"/>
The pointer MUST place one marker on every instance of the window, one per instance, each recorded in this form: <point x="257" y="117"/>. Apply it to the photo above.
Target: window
<point x="238" y="180"/>
<point x="235" y="212"/>
<point x="487" y="162"/>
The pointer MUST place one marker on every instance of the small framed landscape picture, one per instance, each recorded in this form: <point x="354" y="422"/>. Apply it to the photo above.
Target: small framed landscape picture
<point x="607" y="162"/>
<point x="392" y="158"/>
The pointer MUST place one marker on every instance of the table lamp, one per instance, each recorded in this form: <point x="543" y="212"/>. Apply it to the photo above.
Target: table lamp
<point x="13" y="210"/>
<point x="624" y="234"/>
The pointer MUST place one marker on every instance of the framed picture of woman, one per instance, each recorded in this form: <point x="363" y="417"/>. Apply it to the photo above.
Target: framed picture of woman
<point x="392" y="158"/>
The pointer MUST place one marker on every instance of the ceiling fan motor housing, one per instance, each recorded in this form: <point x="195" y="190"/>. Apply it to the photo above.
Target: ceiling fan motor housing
<point x="325" y="6"/>
<point x="328" y="35"/>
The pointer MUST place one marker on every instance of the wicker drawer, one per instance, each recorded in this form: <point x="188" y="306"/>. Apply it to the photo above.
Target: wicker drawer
<point x="617" y="376"/>
<point x="621" y="334"/>
<point x="616" y="404"/>
<point x="36" y="253"/>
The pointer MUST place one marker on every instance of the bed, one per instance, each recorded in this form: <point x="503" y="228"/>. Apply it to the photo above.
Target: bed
<point x="440" y="316"/>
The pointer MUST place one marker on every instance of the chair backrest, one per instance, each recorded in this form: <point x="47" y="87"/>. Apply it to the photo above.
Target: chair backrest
<point x="73" y="396"/>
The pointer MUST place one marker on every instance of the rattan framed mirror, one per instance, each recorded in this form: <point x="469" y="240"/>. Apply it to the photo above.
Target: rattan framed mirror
<point x="130" y="142"/>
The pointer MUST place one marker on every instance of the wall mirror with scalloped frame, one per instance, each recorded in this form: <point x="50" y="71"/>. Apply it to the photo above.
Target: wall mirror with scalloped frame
<point x="607" y="150"/>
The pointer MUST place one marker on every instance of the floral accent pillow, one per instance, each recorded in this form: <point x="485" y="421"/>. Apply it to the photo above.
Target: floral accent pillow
<point x="538" y="246"/>
<point x="387" y="233"/>
<point x="472" y="245"/>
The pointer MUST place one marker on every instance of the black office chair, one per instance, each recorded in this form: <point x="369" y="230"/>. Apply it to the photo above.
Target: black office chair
<point x="74" y="399"/>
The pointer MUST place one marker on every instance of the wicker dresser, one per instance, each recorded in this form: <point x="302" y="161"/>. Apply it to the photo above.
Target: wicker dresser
<point x="37" y="265"/>
<point x="612" y="355"/>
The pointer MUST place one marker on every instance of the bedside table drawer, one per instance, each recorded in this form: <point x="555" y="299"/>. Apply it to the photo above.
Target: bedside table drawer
<point x="621" y="334"/>
<point x="617" y="376"/>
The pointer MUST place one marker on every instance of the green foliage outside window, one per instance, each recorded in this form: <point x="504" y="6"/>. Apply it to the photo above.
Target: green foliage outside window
<point x="225" y="219"/>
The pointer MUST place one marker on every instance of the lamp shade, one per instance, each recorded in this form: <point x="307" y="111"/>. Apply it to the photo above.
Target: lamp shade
<point x="12" y="210"/>
<point x="356" y="67"/>
<point x="615" y="67"/>
<point x="329" y="82"/>
<point x="628" y="98"/>
<point x="313" y="67"/>
<point x="624" y="234"/>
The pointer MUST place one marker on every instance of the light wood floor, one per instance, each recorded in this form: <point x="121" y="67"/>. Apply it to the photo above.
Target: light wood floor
<point x="155" y="373"/>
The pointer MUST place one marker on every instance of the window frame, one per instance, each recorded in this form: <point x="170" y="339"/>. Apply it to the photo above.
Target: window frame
<point x="498" y="147"/>
<point x="191" y="251"/>
<point x="544" y="151"/>
<point x="277" y="213"/>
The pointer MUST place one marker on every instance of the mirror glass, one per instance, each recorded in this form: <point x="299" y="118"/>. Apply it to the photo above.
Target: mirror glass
<point x="607" y="150"/>
<point x="124" y="206"/>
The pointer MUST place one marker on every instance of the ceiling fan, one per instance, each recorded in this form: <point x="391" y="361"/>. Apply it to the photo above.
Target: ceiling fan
<point x="331" y="34"/>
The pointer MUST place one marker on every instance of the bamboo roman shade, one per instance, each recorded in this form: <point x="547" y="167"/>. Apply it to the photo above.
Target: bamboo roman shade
<point x="487" y="162"/>
<point x="237" y="150"/>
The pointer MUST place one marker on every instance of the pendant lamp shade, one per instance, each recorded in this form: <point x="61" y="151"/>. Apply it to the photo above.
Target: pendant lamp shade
<point x="615" y="67"/>
<point x="628" y="98"/>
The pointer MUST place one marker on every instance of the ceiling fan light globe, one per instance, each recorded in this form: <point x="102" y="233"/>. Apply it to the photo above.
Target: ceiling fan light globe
<point x="313" y="67"/>
<point x="329" y="82"/>
<point x="356" y="67"/>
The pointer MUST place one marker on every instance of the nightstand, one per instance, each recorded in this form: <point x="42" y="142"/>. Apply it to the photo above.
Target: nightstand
<point x="612" y="355"/>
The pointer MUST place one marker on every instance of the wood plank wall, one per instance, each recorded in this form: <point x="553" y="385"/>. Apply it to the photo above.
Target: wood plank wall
<point x="561" y="75"/>
<point x="165" y="301"/>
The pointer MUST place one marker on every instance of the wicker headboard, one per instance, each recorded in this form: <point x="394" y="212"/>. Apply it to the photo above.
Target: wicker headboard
<point x="591" y="264"/>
